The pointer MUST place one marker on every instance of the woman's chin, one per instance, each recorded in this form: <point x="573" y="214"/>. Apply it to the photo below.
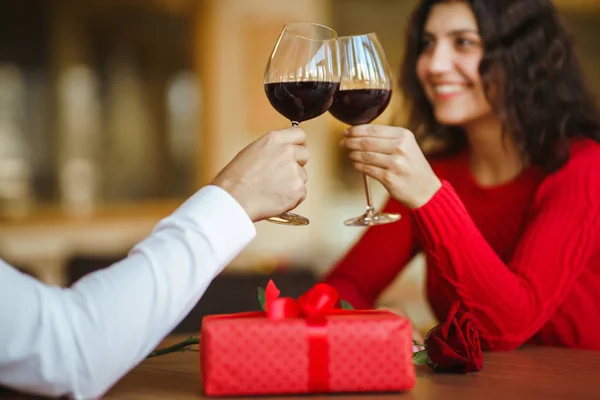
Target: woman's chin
<point x="459" y="113"/>
<point x="451" y="119"/>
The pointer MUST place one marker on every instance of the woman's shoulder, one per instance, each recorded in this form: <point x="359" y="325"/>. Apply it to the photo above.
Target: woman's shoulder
<point x="579" y="174"/>
<point x="584" y="155"/>
<point x="585" y="151"/>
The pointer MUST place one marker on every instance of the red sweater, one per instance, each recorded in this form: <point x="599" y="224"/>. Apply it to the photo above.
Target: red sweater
<point x="524" y="257"/>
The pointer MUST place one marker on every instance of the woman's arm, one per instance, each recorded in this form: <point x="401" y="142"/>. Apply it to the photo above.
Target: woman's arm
<point x="375" y="260"/>
<point x="512" y="302"/>
<point x="80" y="341"/>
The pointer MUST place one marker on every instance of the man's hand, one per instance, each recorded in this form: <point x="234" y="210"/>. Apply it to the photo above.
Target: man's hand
<point x="268" y="177"/>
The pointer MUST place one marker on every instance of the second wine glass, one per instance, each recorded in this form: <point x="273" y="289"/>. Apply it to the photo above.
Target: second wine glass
<point x="301" y="77"/>
<point x="365" y="92"/>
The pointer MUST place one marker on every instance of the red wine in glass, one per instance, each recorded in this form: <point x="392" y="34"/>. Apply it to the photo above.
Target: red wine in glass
<point x="301" y="78"/>
<point x="360" y="106"/>
<point x="301" y="101"/>
<point x="365" y="92"/>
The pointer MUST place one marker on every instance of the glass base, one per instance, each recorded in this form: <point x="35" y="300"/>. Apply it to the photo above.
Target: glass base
<point x="288" y="218"/>
<point x="370" y="219"/>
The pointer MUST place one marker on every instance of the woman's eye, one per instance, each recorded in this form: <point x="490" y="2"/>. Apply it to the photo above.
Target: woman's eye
<point x="463" y="42"/>
<point x="427" y="44"/>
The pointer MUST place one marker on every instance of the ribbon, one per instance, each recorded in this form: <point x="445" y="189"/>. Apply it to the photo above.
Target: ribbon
<point x="319" y="301"/>
<point x="314" y="306"/>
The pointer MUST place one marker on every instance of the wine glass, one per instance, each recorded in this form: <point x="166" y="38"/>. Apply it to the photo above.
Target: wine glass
<point x="365" y="92"/>
<point x="301" y="77"/>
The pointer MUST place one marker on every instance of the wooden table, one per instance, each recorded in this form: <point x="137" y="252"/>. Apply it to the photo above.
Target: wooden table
<point x="529" y="373"/>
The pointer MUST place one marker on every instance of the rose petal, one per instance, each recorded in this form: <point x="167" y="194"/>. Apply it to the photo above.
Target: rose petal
<point x="457" y="340"/>
<point x="443" y="355"/>
<point x="476" y="353"/>
<point x="474" y="344"/>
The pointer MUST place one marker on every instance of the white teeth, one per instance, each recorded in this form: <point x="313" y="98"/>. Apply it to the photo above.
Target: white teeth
<point x="447" y="89"/>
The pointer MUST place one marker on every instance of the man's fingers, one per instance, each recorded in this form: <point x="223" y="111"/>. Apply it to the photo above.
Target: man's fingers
<point x="302" y="155"/>
<point x="292" y="135"/>
<point x="303" y="174"/>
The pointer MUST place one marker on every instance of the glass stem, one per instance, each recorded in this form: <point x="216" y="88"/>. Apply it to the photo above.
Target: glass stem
<point x="370" y="208"/>
<point x="294" y="124"/>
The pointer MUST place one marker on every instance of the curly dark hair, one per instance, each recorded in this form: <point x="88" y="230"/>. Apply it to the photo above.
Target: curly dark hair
<point x="539" y="94"/>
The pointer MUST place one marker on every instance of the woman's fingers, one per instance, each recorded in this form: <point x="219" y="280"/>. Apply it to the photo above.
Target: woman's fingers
<point x="372" y="158"/>
<point x="381" y="131"/>
<point x="378" y="145"/>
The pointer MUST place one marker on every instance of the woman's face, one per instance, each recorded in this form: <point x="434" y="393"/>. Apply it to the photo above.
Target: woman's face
<point x="448" y="66"/>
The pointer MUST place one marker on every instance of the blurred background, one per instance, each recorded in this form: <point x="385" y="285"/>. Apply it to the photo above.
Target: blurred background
<point x="112" y="112"/>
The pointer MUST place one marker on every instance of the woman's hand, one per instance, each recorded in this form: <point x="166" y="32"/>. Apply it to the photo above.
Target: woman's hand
<point x="392" y="156"/>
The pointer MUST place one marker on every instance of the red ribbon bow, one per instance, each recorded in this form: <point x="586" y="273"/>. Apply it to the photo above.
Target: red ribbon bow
<point x="319" y="301"/>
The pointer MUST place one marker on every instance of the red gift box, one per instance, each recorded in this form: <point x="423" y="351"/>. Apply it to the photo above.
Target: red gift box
<point x="305" y="346"/>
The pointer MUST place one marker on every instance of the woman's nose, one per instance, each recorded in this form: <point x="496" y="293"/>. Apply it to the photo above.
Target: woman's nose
<point x="441" y="59"/>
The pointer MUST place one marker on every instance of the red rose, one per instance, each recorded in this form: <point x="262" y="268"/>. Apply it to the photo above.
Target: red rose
<point x="454" y="346"/>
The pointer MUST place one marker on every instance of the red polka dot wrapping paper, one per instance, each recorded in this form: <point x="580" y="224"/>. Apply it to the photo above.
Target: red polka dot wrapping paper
<point x="370" y="352"/>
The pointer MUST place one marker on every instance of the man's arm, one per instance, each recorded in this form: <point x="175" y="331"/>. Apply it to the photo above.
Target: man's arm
<point x="80" y="341"/>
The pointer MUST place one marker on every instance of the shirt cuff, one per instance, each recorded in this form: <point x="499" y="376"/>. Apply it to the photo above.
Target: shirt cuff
<point x="223" y="220"/>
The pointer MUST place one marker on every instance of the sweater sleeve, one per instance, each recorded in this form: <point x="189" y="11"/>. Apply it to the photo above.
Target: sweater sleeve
<point x="511" y="302"/>
<point x="375" y="260"/>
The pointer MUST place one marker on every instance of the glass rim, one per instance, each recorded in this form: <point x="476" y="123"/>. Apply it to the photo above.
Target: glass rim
<point x="359" y="35"/>
<point x="285" y="30"/>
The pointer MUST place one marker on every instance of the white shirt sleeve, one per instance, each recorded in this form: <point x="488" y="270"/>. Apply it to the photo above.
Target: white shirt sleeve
<point x="79" y="341"/>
